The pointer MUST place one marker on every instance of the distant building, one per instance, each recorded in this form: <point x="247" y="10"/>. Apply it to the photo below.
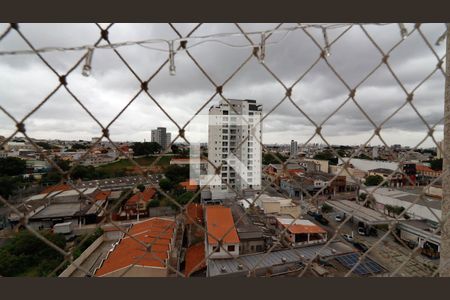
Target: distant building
<point x="160" y="136"/>
<point x="439" y="150"/>
<point x="294" y="148"/>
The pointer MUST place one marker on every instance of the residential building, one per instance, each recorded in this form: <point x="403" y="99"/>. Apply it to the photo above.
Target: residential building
<point x="301" y="232"/>
<point x="131" y="258"/>
<point x="220" y="227"/>
<point x="230" y="127"/>
<point x="137" y="204"/>
<point x="395" y="178"/>
<point x="278" y="205"/>
<point x="294" y="148"/>
<point x="161" y="136"/>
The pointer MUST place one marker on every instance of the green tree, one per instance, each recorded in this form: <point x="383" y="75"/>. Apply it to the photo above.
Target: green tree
<point x="146" y="148"/>
<point x="436" y="164"/>
<point x="141" y="187"/>
<point x="26" y="254"/>
<point x="327" y="155"/>
<point x="10" y="184"/>
<point x="268" y="158"/>
<point x="12" y="166"/>
<point x="166" y="184"/>
<point x="44" y="145"/>
<point x="177" y="173"/>
<point x="373" y="180"/>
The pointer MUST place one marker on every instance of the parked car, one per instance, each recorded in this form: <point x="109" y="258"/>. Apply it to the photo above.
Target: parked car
<point x="347" y="237"/>
<point x="319" y="218"/>
<point x="360" y="246"/>
<point x="311" y="213"/>
<point x="362" y="231"/>
<point x="339" y="218"/>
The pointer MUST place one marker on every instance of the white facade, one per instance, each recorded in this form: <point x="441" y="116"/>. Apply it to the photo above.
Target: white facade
<point x="231" y="141"/>
<point x="294" y="148"/>
<point x="160" y="136"/>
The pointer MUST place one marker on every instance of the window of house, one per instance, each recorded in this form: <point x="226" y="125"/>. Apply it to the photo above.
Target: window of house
<point x="231" y="248"/>
<point x="216" y="249"/>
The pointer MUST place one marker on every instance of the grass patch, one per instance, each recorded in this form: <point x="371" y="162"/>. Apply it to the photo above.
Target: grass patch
<point x="125" y="164"/>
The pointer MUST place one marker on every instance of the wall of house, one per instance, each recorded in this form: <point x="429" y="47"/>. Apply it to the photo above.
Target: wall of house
<point x="221" y="253"/>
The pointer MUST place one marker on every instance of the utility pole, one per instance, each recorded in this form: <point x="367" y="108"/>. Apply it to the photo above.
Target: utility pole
<point x="445" y="223"/>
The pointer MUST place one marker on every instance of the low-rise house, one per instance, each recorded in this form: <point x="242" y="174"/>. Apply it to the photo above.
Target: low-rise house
<point x="396" y="178"/>
<point x="278" y="205"/>
<point x="143" y="252"/>
<point x="302" y="232"/>
<point x="221" y="233"/>
<point x="194" y="260"/>
<point x="137" y="204"/>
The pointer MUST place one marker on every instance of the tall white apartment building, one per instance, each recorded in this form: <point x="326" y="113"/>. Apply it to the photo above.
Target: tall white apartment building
<point x="231" y="141"/>
<point x="294" y="148"/>
<point x="160" y="136"/>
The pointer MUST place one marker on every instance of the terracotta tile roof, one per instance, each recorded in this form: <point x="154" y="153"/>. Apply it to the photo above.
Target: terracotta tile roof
<point x="55" y="188"/>
<point x="195" y="259"/>
<point x="424" y="168"/>
<point x="102" y="195"/>
<point x="300" y="226"/>
<point x="190" y="185"/>
<point x="194" y="212"/>
<point x="220" y="225"/>
<point x="145" y="196"/>
<point x="129" y="251"/>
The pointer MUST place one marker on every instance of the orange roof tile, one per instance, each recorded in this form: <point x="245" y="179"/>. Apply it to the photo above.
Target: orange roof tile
<point x="102" y="195"/>
<point x="190" y="185"/>
<point x="129" y="251"/>
<point x="220" y="225"/>
<point x="145" y="196"/>
<point x="300" y="226"/>
<point x="194" y="212"/>
<point x="195" y="259"/>
<point x="56" y="188"/>
<point x="424" y="168"/>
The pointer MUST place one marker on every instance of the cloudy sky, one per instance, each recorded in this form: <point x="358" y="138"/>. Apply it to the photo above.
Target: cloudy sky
<point x="25" y="81"/>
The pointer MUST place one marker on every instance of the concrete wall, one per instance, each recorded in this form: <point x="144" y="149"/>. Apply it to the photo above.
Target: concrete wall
<point x="72" y="268"/>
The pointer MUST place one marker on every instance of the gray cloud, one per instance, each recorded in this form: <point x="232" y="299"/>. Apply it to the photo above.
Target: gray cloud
<point x="25" y="81"/>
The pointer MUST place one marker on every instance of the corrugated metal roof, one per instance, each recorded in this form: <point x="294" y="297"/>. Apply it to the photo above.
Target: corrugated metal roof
<point x="265" y="260"/>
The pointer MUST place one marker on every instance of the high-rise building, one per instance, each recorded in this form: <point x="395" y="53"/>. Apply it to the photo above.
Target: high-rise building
<point x="160" y="136"/>
<point x="294" y="148"/>
<point x="438" y="150"/>
<point x="234" y="141"/>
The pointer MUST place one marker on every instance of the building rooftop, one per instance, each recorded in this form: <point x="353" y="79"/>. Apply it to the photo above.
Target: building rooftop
<point x="131" y="251"/>
<point x="360" y="212"/>
<point x="410" y="195"/>
<point x="246" y="263"/>
<point x="220" y="225"/>
<point x="145" y="196"/>
<point x="195" y="259"/>
<point x="300" y="226"/>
